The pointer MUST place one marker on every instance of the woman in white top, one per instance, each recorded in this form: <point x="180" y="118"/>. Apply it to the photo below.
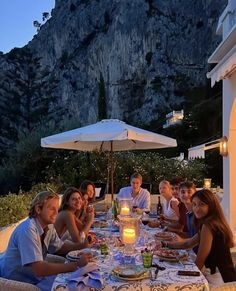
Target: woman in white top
<point x="170" y="203"/>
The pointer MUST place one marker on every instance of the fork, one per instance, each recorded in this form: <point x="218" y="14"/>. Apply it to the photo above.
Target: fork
<point x="179" y="261"/>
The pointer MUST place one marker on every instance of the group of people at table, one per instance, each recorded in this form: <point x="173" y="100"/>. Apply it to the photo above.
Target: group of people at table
<point x="195" y="216"/>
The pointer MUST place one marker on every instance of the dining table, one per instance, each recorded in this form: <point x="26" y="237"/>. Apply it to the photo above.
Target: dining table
<point x="163" y="275"/>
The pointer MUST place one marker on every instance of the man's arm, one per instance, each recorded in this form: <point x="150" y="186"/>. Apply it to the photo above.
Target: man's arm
<point x="71" y="246"/>
<point x="43" y="268"/>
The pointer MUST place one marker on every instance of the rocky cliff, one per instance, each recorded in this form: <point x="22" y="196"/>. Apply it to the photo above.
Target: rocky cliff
<point x="139" y="56"/>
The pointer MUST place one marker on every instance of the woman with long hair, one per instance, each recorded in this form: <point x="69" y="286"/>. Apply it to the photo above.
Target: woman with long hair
<point x="67" y="223"/>
<point x="215" y="235"/>
<point x="88" y="188"/>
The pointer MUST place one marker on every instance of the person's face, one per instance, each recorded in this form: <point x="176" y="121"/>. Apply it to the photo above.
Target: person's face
<point x="200" y="209"/>
<point x="48" y="213"/>
<point x="75" y="201"/>
<point x="90" y="191"/>
<point x="136" y="184"/>
<point x="185" y="194"/>
<point x="175" y="190"/>
<point x="164" y="190"/>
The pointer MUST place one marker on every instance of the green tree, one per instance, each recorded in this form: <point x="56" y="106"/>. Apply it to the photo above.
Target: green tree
<point x="26" y="97"/>
<point x="102" y="106"/>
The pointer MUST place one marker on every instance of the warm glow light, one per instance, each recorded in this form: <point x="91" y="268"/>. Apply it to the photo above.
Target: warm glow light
<point x="125" y="211"/>
<point x="207" y="183"/>
<point x="129" y="236"/>
<point x="224" y="146"/>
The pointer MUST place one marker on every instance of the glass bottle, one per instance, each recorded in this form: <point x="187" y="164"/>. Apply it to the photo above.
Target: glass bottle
<point x="159" y="206"/>
<point x="114" y="210"/>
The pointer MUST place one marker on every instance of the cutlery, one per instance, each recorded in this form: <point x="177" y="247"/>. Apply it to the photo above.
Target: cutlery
<point x="156" y="272"/>
<point x="179" y="261"/>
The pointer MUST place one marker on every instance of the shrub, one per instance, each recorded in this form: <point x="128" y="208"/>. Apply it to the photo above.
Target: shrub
<point x="14" y="207"/>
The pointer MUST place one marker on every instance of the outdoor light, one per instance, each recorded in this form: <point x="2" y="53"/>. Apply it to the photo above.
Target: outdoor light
<point x="224" y="146"/>
<point x="129" y="232"/>
<point x="207" y="183"/>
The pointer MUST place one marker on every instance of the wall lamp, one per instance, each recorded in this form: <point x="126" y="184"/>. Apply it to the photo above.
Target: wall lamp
<point x="224" y="146"/>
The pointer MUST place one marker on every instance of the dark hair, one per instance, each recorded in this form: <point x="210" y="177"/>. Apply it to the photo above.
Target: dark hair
<point x="176" y="181"/>
<point x="83" y="189"/>
<point x="188" y="185"/>
<point x="215" y="219"/>
<point x="66" y="197"/>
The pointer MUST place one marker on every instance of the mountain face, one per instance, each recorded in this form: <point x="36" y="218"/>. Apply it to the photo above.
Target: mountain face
<point x="136" y="58"/>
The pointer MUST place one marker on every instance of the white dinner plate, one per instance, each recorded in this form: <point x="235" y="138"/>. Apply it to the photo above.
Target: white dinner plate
<point x="75" y="255"/>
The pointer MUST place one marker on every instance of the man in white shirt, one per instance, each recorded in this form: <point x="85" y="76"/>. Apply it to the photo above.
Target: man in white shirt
<point x="141" y="197"/>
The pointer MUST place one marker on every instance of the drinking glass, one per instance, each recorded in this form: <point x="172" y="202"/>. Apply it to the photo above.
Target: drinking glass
<point x="147" y="259"/>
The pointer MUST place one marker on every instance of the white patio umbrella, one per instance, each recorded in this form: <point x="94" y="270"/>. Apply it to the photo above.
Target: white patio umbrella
<point x="108" y="135"/>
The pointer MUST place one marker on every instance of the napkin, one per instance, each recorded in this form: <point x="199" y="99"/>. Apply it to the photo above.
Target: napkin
<point x="84" y="278"/>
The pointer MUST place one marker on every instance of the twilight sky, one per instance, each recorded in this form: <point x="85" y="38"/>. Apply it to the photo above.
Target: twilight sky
<point x="16" y="21"/>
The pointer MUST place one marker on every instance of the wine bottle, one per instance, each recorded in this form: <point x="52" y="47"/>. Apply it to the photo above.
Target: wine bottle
<point x="159" y="206"/>
<point x="114" y="210"/>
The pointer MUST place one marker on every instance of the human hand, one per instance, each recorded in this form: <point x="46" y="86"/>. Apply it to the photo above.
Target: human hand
<point x="90" y="215"/>
<point x="84" y="259"/>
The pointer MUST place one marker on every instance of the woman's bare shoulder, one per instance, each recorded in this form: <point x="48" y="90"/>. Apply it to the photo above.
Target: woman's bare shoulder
<point x="65" y="214"/>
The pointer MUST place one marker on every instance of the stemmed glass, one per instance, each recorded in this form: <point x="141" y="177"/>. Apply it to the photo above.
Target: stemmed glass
<point x="145" y="220"/>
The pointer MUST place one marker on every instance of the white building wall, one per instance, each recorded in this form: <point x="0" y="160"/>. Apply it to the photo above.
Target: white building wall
<point x="229" y="162"/>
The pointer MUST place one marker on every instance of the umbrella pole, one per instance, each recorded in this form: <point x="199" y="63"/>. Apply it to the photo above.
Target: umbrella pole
<point x="112" y="172"/>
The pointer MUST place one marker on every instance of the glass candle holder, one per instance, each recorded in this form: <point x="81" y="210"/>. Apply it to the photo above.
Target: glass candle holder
<point x="125" y="207"/>
<point x="129" y="232"/>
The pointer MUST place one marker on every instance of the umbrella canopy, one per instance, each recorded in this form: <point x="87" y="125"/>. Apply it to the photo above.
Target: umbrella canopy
<point x="108" y="135"/>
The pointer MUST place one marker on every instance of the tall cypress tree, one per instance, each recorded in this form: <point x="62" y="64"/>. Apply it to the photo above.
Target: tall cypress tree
<point x="26" y="96"/>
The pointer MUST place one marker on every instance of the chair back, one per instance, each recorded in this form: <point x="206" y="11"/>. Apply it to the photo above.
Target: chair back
<point x="100" y="190"/>
<point x="147" y="186"/>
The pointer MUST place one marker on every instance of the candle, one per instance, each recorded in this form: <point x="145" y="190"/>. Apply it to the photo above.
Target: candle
<point x="207" y="183"/>
<point x="129" y="236"/>
<point x="124" y="210"/>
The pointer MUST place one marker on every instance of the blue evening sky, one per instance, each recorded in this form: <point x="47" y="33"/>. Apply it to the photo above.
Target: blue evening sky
<point x="16" y="21"/>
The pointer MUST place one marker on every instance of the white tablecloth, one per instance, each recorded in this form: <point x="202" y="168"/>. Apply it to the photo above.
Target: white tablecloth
<point x="167" y="280"/>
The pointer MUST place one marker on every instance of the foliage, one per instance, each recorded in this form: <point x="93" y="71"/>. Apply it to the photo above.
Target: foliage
<point x="157" y="83"/>
<point x="15" y="207"/>
<point x="28" y="162"/>
<point x="26" y="98"/>
<point x="154" y="168"/>
<point x="102" y="106"/>
<point x="148" y="58"/>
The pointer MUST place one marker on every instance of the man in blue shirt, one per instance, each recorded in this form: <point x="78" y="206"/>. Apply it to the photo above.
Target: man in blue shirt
<point x="140" y="197"/>
<point x="24" y="259"/>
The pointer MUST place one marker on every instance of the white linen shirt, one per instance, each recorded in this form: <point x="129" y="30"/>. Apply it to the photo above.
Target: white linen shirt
<point x="142" y="200"/>
<point x="168" y="211"/>
<point x="25" y="247"/>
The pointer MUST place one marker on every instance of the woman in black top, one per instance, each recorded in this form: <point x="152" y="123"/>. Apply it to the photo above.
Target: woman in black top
<point x="215" y="235"/>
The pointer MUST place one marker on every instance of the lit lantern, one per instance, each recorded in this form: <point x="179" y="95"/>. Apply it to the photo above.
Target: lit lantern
<point x="129" y="231"/>
<point x="125" y="206"/>
<point x="125" y="211"/>
<point x="129" y="236"/>
<point x="207" y="183"/>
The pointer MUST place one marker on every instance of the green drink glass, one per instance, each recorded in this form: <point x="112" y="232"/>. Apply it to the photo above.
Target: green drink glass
<point x="103" y="248"/>
<point x="147" y="259"/>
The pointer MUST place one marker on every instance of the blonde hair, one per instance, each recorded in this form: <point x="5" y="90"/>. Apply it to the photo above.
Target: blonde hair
<point x="165" y="182"/>
<point x="40" y="199"/>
